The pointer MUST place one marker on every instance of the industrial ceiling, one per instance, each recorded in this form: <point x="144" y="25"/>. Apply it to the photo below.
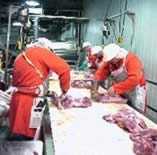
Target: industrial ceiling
<point x="50" y="7"/>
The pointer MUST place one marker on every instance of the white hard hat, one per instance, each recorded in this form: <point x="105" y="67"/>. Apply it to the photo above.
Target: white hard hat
<point x="42" y="42"/>
<point x="86" y="44"/>
<point x="110" y="51"/>
<point x="96" y="50"/>
<point x="45" y="43"/>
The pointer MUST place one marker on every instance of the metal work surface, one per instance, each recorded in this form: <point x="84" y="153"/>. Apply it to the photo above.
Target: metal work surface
<point x="82" y="131"/>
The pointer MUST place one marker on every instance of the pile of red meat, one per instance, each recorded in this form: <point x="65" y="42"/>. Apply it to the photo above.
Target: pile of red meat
<point x="145" y="142"/>
<point x="69" y="101"/>
<point x="82" y="84"/>
<point x="105" y="98"/>
<point x="127" y="120"/>
<point x="144" y="138"/>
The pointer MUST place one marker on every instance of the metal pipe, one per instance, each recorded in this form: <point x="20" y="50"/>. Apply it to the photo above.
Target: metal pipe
<point x="59" y="17"/>
<point x="119" y="14"/>
<point x="36" y="27"/>
<point x="9" y="28"/>
<point x="12" y="10"/>
<point x="7" y="47"/>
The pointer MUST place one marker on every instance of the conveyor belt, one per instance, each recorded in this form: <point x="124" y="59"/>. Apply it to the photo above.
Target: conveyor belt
<point x="83" y="132"/>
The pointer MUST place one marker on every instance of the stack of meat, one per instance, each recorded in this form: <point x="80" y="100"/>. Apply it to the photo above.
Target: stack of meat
<point x="105" y="98"/>
<point x="82" y="84"/>
<point x="69" y="101"/>
<point x="127" y="120"/>
<point x="144" y="138"/>
<point x="145" y="142"/>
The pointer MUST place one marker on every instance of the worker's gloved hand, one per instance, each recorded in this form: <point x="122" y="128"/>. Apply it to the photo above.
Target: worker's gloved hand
<point x="62" y="97"/>
<point x="64" y="91"/>
<point x="11" y="89"/>
<point x="89" y="65"/>
<point x="111" y="92"/>
<point x="59" y="106"/>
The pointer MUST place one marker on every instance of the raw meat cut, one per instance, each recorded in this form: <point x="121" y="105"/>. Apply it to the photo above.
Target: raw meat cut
<point x="144" y="138"/>
<point x="68" y="101"/>
<point x="105" y="98"/>
<point x="126" y="119"/>
<point x="145" y="142"/>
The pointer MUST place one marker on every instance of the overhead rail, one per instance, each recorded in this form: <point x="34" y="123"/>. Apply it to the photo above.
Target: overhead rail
<point x="61" y="17"/>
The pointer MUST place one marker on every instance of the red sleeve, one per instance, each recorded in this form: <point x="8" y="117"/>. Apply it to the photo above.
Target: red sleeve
<point x="60" y="67"/>
<point x="135" y="73"/>
<point x="102" y="73"/>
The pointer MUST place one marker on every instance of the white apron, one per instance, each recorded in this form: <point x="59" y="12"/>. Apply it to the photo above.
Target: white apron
<point x="137" y="96"/>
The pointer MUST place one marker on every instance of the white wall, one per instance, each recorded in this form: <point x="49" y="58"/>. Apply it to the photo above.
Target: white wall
<point x="145" y="40"/>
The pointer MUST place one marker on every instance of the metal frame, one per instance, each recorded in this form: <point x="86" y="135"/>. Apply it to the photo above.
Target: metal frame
<point x="119" y="14"/>
<point x="36" y="19"/>
<point x="12" y="9"/>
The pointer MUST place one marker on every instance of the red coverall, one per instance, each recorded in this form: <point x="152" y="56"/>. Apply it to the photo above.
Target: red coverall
<point x="134" y="70"/>
<point x="24" y="75"/>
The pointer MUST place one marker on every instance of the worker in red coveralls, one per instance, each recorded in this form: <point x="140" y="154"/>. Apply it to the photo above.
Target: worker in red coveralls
<point x="94" y="55"/>
<point x="31" y="69"/>
<point x="127" y="74"/>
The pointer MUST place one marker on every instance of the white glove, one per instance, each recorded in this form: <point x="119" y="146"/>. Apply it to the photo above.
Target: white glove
<point x="11" y="89"/>
<point x="89" y="65"/>
<point x="111" y="91"/>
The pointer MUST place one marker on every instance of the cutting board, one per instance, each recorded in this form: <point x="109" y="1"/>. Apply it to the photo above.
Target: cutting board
<point x="83" y="132"/>
<point x="79" y="131"/>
